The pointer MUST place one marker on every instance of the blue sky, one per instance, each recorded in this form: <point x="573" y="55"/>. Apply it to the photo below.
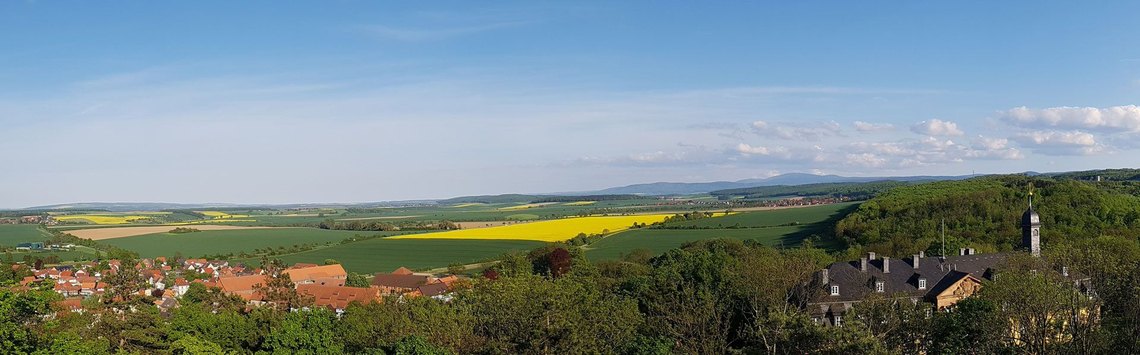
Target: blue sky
<point x="349" y="101"/>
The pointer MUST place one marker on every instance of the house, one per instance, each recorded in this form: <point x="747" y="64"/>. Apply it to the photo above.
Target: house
<point x="337" y="298"/>
<point x="30" y="246"/>
<point x="437" y="290"/>
<point x="938" y="281"/>
<point x="243" y="286"/>
<point x="400" y="281"/>
<point x="333" y="275"/>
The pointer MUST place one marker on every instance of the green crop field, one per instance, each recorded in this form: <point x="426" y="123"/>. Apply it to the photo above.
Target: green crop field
<point x="769" y="227"/>
<point x="770" y="218"/>
<point x="385" y="255"/>
<point x="660" y="240"/>
<point x="228" y="241"/>
<point x="64" y="255"/>
<point x="12" y="234"/>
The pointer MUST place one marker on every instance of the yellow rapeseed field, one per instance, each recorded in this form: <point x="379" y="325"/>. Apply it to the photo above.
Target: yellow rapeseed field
<point x="221" y="215"/>
<point x="526" y="206"/>
<point x="546" y="231"/>
<point x="102" y="218"/>
<point x="581" y="203"/>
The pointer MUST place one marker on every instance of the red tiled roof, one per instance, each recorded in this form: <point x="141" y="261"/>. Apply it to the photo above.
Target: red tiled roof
<point x="241" y="284"/>
<point x="337" y="297"/>
<point x="317" y="272"/>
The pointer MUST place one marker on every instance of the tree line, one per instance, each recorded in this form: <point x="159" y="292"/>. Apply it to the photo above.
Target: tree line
<point x="708" y="297"/>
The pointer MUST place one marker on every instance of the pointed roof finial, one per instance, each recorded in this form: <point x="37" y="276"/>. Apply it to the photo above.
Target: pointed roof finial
<point x="1031" y="195"/>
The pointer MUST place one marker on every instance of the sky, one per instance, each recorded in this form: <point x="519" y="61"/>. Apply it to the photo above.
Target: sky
<point x="357" y="101"/>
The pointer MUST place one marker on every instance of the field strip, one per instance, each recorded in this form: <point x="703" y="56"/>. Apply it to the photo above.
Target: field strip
<point x="739" y="209"/>
<point x="369" y="218"/>
<point x="555" y="230"/>
<point x="122" y="232"/>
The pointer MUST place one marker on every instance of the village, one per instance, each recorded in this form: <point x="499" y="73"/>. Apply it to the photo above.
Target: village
<point x="168" y="280"/>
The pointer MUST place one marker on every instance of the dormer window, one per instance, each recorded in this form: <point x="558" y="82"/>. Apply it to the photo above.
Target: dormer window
<point x="834" y="290"/>
<point x="838" y="321"/>
<point x="879" y="286"/>
<point x="922" y="284"/>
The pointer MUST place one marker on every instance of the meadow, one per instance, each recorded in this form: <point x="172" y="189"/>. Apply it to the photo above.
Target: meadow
<point x="387" y="254"/>
<point x="545" y="231"/>
<point x="12" y="234"/>
<point x="228" y="241"/>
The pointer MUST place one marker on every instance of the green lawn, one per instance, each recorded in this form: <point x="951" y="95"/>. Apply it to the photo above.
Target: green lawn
<point x="12" y="234"/>
<point x="385" y="255"/>
<point x="812" y="220"/>
<point x="227" y="241"/>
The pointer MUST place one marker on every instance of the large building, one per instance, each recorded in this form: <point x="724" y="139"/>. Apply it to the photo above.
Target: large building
<point x="939" y="281"/>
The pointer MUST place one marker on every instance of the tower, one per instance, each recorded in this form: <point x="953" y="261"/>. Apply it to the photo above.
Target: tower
<point x="1031" y="229"/>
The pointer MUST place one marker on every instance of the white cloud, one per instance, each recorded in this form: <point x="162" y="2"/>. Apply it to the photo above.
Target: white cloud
<point x="798" y="132"/>
<point x="937" y="127"/>
<point x="750" y="150"/>
<point x="866" y="127"/>
<point x="1109" y="119"/>
<point x="1060" y="142"/>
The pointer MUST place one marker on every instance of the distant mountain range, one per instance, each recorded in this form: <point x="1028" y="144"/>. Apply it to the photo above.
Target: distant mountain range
<point x="652" y="189"/>
<point x="686" y="188"/>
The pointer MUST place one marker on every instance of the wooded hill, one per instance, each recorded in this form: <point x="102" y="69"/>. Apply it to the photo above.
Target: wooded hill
<point x="855" y="190"/>
<point x="985" y="213"/>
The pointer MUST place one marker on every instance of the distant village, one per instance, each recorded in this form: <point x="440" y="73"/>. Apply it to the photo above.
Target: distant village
<point x="167" y="280"/>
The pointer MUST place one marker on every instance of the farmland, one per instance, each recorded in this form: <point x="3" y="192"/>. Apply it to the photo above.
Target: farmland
<point x="659" y="240"/>
<point x="122" y="232"/>
<point x="12" y="234"/>
<point x="786" y="227"/>
<point x="488" y="230"/>
<point x="227" y="241"/>
<point x="545" y="231"/>
<point x="387" y="254"/>
<point x="105" y="218"/>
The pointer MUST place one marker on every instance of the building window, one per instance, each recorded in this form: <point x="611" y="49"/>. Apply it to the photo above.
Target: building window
<point x="879" y="286"/>
<point x="835" y="290"/>
<point x="838" y="321"/>
<point x="921" y="284"/>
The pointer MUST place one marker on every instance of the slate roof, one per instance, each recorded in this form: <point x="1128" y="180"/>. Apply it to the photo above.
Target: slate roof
<point x="434" y="289"/>
<point x="399" y="281"/>
<point x="855" y="284"/>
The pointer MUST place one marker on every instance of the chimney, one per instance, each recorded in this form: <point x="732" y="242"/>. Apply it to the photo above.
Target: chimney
<point x="863" y="264"/>
<point x="886" y="264"/>
<point x="914" y="260"/>
<point x="921" y="253"/>
<point x="871" y="255"/>
<point x="823" y="279"/>
<point x="961" y="251"/>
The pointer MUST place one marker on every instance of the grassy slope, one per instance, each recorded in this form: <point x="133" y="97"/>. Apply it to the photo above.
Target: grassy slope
<point x="385" y="255"/>
<point x="226" y="241"/>
<point x="814" y="220"/>
<point x="12" y="234"/>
